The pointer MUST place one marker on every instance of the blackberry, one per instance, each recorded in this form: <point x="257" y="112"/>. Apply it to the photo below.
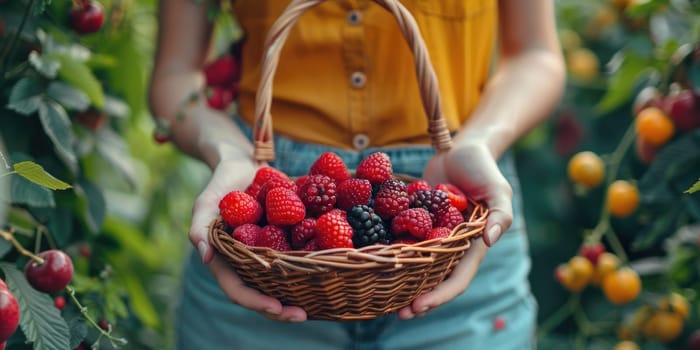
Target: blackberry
<point x="436" y="202"/>
<point x="368" y="228"/>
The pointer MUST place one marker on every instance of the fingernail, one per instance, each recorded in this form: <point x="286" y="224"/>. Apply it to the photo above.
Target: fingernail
<point x="272" y="311"/>
<point x="494" y="234"/>
<point x="423" y="309"/>
<point x="202" y="248"/>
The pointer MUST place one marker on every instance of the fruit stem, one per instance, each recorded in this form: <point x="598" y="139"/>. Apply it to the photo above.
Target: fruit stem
<point x="84" y="311"/>
<point x="558" y="316"/>
<point x="8" y="236"/>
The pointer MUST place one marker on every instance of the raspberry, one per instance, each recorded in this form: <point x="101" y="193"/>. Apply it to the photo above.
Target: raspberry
<point x="273" y="183"/>
<point x="262" y="176"/>
<point x="438" y="232"/>
<point x="393" y="185"/>
<point x="331" y="165"/>
<point x="247" y="234"/>
<point x="368" y="228"/>
<point x="333" y="230"/>
<point x="449" y="219"/>
<point x="238" y="208"/>
<point x="353" y="192"/>
<point x="273" y="237"/>
<point x="301" y="180"/>
<point x="318" y="194"/>
<point x="388" y="202"/>
<point x="415" y="221"/>
<point x="311" y="245"/>
<point x="303" y="232"/>
<point x="407" y="239"/>
<point x="434" y="201"/>
<point x="376" y="168"/>
<point x="420" y="185"/>
<point x="284" y="207"/>
<point x="457" y="198"/>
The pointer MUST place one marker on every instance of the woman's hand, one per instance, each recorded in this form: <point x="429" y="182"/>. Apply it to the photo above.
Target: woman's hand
<point x="232" y="175"/>
<point x="472" y="168"/>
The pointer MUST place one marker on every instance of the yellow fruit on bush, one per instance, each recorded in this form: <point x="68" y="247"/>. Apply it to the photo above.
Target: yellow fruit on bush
<point x="581" y="269"/>
<point x="607" y="264"/>
<point x="586" y="169"/>
<point x="663" y="326"/>
<point x="566" y="278"/>
<point x="627" y="345"/>
<point x="622" y="286"/>
<point x="654" y="126"/>
<point x="622" y="198"/>
<point x="583" y="64"/>
<point x="675" y="303"/>
<point x="569" y="40"/>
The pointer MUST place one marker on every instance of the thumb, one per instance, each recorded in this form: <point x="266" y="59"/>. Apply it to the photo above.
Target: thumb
<point x="500" y="215"/>
<point x="204" y="212"/>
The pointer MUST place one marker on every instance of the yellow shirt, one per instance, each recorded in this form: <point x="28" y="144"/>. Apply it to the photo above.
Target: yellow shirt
<point x="346" y="76"/>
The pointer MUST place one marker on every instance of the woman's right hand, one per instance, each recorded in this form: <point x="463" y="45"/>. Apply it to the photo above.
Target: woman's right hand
<point x="229" y="175"/>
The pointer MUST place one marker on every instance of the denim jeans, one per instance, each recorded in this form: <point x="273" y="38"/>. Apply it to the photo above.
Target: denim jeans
<point x="207" y="320"/>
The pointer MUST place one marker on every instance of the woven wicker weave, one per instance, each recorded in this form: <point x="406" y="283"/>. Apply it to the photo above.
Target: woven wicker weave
<point x="348" y="284"/>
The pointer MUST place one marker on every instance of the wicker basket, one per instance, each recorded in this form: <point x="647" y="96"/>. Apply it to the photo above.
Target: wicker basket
<point x="348" y="284"/>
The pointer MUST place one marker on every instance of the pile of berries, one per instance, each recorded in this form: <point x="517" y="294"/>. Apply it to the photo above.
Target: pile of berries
<point x="328" y="208"/>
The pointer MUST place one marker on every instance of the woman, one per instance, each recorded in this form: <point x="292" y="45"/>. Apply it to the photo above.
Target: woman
<point x="346" y="83"/>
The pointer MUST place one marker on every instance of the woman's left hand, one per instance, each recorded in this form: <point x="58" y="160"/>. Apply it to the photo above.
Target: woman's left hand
<point x="473" y="169"/>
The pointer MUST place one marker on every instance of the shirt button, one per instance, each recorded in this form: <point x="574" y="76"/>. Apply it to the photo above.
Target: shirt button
<point x="358" y="79"/>
<point x="354" y="17"/>
<point x="360" y="141"/>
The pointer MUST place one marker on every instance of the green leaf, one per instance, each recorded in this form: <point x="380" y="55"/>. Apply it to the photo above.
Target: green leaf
<point x="36" y="174"/>
<point x="23" y="191"/>
<point x="25" y="97"/>
<point x="57" y="127"/>
<point x="5" y="247"/>
<point x="78" y="331"/>
<point x="623" y="81"/>
<point x="45" y="65"/>
<point x="660" y="228"/>
<point x="116" y="108"/>
<point x="41" y="322"/>
<point x="93" y="206"/>
<point x="115" y="151"/>
<point x="68" y="96"/>
<point x="140" y="303"/>
<point x="694" y="188"/>
<point x="79" y="75"/>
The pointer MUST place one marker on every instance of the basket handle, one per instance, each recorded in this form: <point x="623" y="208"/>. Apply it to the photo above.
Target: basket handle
<point x="427" y="80"/>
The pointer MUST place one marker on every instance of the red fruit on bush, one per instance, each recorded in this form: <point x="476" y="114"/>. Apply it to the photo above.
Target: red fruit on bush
<point x="223" y="71"/>
<point x="9" y="314"/>
<point x="568" y="134"/>
<point x="92" y="119"/>
<point x="284" y="207"/>
<point x="51" y="276"/>
<point x="457" y="198"/>
<point x="592" y="252"/>
<point x="59" y="302"/>
<point x="273" y="237"/>
<point x="683" y="107"/>
<point x="238" y="208"/>
<point x="376" y="168"/>
<point x="645" y="151"/>
<point x="104" y="325"/>
<point x="87" y="17"/>
<point x="331" y="165"/>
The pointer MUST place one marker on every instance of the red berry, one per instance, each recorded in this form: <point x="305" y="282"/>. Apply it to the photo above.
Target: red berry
<point x="376" y="168"/>
<point x="439" y="232"/>
<point x="3" y="285"/>
<point x="160" y="138"/>
<point x="406" y="239"/>
<point x="499" y="323"/>
<point x="389" y="202"/>
<point x="9" y="314"/>
<point x="420" y="185"/>
<point x="238" y="208"/>
<point x="303" y="232"/>
<point x="683" y="107"/>
<point x="262" y="176"/>
<point x="301" y="180"/>
<point x="592" y="252"/>
<point x="85" y="250"/>
<point x="273" y="183"/>
<point x="694" y="340"/>
<point x="59" y="302"/>
<point x="284" y="207"/>
<point x="457" y="198"/>
<point x="87" y="18"/>
<point x="333" y="230"/>
<point x="273" y="237"/>
<point x="92" y="119"/>
<point x="247" y="234"/>
<point x="103" y="324"/>
<point x="414" y="221"/>
<point x="311" y="245"/>
<point x="219" y="98"/>
<point x="353" y="192"/>
<point x="449" y="219"/>
<point x="223" y="71"/>
<point x="51" y="276"/>
<point x="331" y="165"/>
<point x="81" y="346"/>
<point x="3" y="344"/>
<point x="318" y="194"/>
<point x="568" y="134"/>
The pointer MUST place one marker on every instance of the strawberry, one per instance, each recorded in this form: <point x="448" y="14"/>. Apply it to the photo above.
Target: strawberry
<point x="238" y="208"/>
<point x="420" y="185"/>
<point x="263" y="175"/>
<point x="247" y="234"/>
<point x="376" y="168"/>
<point x="415" y="221"/>
<point x="457" y="198"/>
<point x="353" y="192"/>
<point x="273" y="183"/>
<point x="284" y="207"/>
<point x="303" y="232"/>
<point x="318" y="194"/>
<point x="449" y="219"/>
<point x="223" y="71"/>
<point x="273" y="237"/>
<point x="331" y="165"/>
<point x="438" y="232"/>
<point x="333" y="230"/>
